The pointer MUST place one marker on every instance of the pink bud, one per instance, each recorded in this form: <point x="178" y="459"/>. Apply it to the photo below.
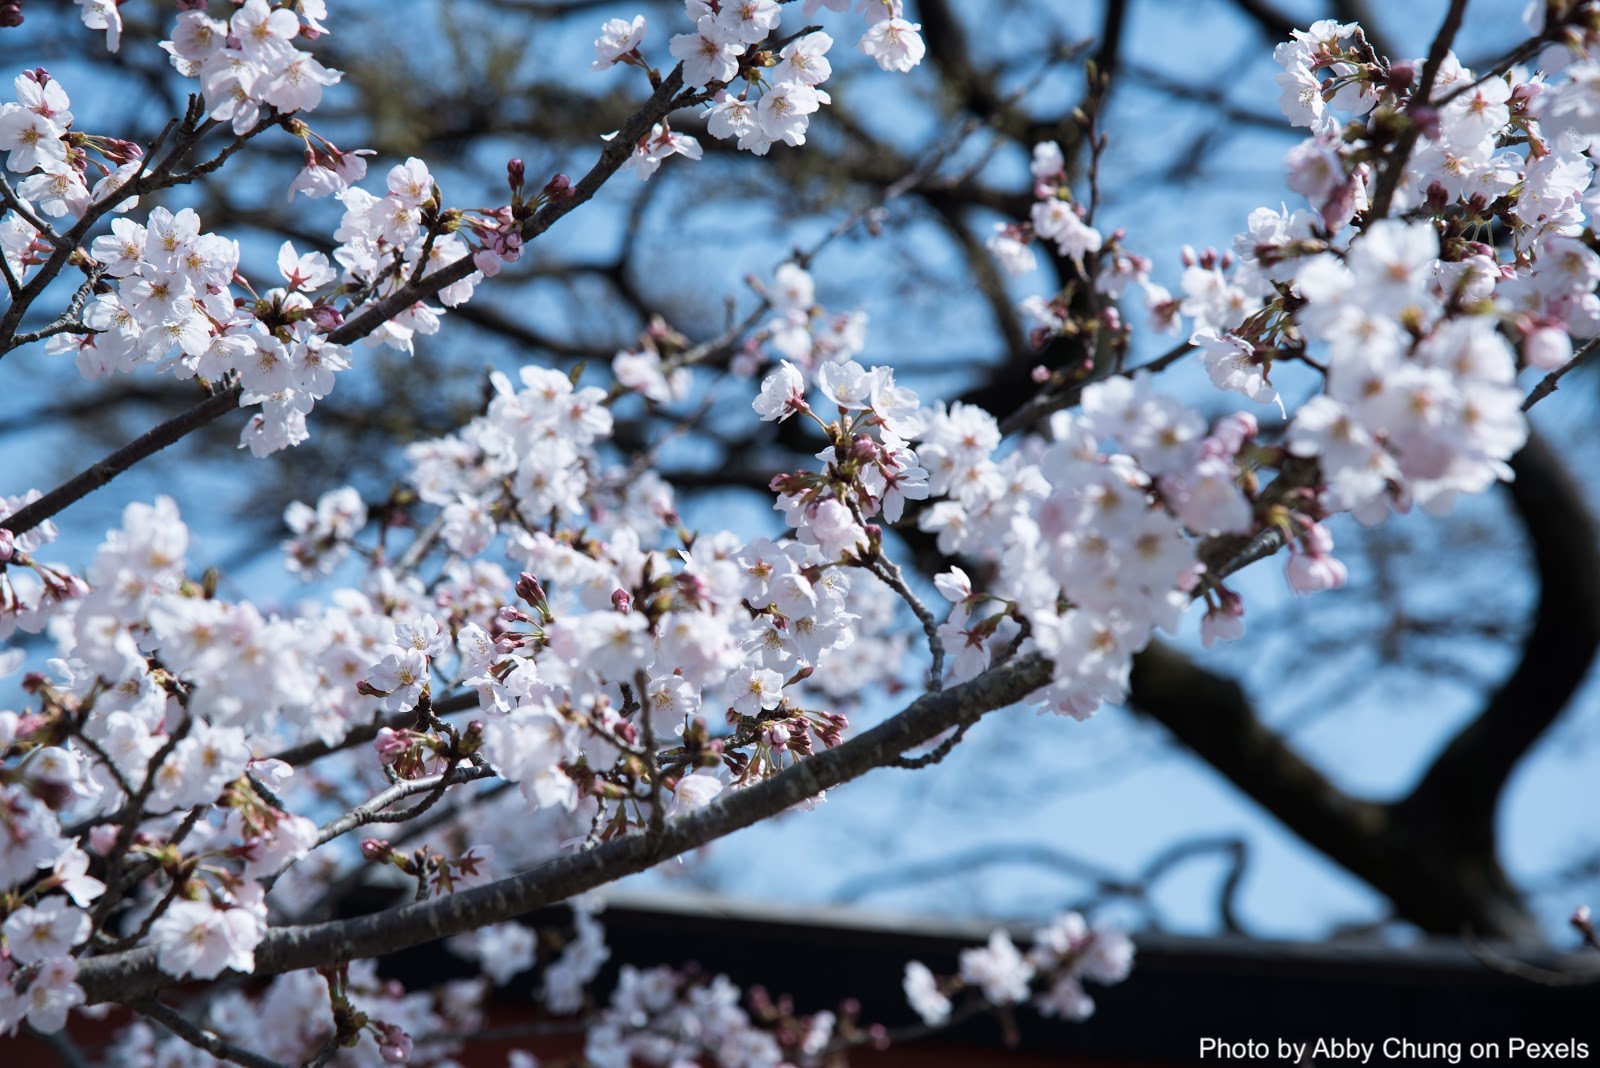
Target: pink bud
<point x="390" y="744"/>
<point x="1317" y="540"/>
<point x="622" y="601"/>
<point x="394" y="1045"/>
<point x="119" y="151"/>
<point x="102" y="837"/>
<point x="487" y="261"/>
<point x="326" y="316"/>
<point x="1402" y="73"/>
<point x="529" y="590"/>
<point x="511" y="614"/>
<point x="1221" y="625"/>
<point x="1427" y="120"/>
<point x="1041" y="374"/>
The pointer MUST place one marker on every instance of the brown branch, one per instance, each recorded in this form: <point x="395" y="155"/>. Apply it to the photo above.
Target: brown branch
<point x="134" y="976"/>
<point x="612" y="157"/>
<point x="1548" y="384"/>
<point x="1213" y="717"/>
<point x="142" y="447"/>
<point x="1434" y="853"/>
<point x="1461" y="789"/>
<point x="200" y="1038"/>
<point x="1273" y="24"/>
<point x="1400" y="154"/>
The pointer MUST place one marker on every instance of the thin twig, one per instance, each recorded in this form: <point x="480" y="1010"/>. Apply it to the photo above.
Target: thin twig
<point x="889" y="572"/>
<point x="325" y="1052"/>
<point x="17" y="204"/>
<point x="1048" y="402"/>
<point x="116" y="878"/>
<point x="1547" y="385"/>
<point x="1528" y="972"/>
<point x="1400" y="154"/>
<point x="373" y="811"/>
<point x="200" y="1038"/>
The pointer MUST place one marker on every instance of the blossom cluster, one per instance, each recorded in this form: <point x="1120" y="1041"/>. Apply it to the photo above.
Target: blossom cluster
<point x="250" y="61"/>
<point x="1417" y="326"/>
<point x="169" y="302"/>
<point x="634" y="671"/>
<point x="803" y="332"/>
<point x="35" y="135"/>
<point x="605" y="622"/>
<point x="666" y="1015"/>
<point x="164" y="289"/>
<point x="782" y="90"/>
<point x="1064" y="954"/>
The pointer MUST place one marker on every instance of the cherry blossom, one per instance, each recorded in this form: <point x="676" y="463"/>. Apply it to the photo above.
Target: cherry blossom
<point x="635" y="668"/>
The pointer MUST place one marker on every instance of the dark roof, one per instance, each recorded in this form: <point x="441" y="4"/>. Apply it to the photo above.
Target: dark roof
<point x="1182" y="989"/>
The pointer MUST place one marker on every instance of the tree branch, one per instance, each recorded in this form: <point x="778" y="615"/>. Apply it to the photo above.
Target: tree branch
<point x="1462" y="788"/>
<point x="200" y="1038"/>
<point x="134" y="976"/>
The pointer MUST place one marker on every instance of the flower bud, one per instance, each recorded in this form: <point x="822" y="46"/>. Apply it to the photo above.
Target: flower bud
<point x="557" y="188"/>
<point x="394" y="1045"/>
<point x="529" y="590"/>
<point x="119" y="151"/>
<point x="390" y="744"/>
<point x="325" y="316"/>
<point x="1427" y="120"/>
<point x="515" y="175"/>
<point x="102" y="837"/>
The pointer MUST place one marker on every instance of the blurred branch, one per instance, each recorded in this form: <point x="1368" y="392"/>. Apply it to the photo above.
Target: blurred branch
<point x="135" y="975"/>
<point x="200" y="1038"/>
<point x="1104" y="884"/>
<point x="1271" y="23"/>
<point x="1548" y="384"/>
<point x="1433" y="854"/>
<point x="1461" y="790"/>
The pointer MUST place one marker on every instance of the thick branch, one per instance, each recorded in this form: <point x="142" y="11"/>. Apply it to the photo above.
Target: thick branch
<point x="1434" y="853"/>
<point x="1213" y="716"/>
<point x="1462" y="788"/>
<point x="133" y="975"/>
